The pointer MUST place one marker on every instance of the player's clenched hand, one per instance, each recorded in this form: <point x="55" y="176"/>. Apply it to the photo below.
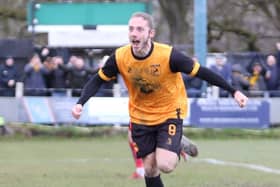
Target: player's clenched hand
<point x="77" y="111"/>
<point x="240" y="98"/>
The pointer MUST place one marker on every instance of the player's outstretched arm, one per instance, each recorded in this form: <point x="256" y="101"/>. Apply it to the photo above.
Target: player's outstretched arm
<point x="215" y="79"/>
<point x="240" y="98"/>
<point x="89" y="90"/>
<point x="77" y="111"/>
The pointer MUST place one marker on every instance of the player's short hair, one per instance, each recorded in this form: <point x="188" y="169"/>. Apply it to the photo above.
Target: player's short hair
<point x="146" y="17"/>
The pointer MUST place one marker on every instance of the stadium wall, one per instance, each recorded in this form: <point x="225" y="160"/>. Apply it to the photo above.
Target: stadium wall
<point x="203" y="112"/>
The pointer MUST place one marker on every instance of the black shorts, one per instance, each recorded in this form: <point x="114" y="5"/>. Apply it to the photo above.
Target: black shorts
<point x="166" y="135"/>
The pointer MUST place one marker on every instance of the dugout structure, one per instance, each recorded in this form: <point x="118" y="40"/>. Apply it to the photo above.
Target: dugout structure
<point x="80" y="24"/>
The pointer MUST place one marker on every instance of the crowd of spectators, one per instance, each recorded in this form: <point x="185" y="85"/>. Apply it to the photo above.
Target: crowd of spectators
<point x="47" y="74"/>
<point x="258" y="78"/>
<point x="51" y="73"/>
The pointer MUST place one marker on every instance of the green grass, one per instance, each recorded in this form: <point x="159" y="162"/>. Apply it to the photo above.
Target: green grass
<point x="22" y="130"/>
<point x="106" y="161"/>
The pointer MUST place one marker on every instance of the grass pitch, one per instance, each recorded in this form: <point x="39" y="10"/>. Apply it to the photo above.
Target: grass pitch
<point x="107" y="161"/>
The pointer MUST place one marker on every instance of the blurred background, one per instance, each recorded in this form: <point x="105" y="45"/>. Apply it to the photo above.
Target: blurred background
<point x="232" y="26"/>
<point x="49" y="49"/>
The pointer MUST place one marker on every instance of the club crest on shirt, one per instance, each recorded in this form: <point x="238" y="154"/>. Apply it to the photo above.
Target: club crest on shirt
<point x="129" y="69"/>
<point x="155" y="69"/>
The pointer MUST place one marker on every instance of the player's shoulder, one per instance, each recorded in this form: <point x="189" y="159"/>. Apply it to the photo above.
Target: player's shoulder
<point x="161" y="49"/>
<point x="162" y="45"/>
<point x="123" y="52"/>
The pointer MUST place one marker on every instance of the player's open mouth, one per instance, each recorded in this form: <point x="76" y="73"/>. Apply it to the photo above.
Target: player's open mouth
<point x="135" y="42"/>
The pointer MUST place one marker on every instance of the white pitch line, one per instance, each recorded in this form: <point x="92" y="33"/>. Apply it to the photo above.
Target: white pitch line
<point x="237" y="164"/>
<point x="196" y="160"/>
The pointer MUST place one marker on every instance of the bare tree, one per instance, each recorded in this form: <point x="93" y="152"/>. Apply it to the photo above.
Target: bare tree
<point x="270" y="8"/>
<point x="229" y="17"/>
<point x="256" y="23"/>
<point x="175" y="13"/>
<point x="235" y="25"/>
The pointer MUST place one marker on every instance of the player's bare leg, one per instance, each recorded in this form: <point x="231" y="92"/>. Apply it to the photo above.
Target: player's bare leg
<point x="161" y="160"/>
<point x="166" y="160"/>
<point x="152" y="172"/>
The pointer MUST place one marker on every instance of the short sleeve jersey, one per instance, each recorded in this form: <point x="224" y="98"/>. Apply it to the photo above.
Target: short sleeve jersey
<point x="155" y="92"/>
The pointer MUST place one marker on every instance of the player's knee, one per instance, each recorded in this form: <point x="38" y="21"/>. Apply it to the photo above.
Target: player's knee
<point x="151" y="171"/>
<point x="166" y="160"/>
<point x="167" y="166"/>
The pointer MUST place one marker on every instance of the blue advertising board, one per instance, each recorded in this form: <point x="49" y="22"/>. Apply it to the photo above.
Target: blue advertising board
<point x="202" y="113"/>
<point x="38" y="110"/>
<point x="225" y="113"/>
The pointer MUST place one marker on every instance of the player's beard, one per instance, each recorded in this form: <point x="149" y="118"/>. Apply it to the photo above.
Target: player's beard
<point x="143" y="48"/>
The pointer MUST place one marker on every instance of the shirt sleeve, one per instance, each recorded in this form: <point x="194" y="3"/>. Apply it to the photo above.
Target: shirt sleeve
<point x="110" y="70"/>
<point x="182" y="63"/>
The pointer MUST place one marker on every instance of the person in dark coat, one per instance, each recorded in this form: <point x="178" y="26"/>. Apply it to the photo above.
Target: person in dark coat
<point x="272" y="76"/>
<point x="77" y="74"/>
<point x="239" y="79"/>
<point x="8" y="78"/>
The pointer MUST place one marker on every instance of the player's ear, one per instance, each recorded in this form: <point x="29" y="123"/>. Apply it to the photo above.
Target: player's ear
<point x="152" y="33"/>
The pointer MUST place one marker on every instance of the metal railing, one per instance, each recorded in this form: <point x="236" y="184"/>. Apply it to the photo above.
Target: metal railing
<point x="117" y="91"/>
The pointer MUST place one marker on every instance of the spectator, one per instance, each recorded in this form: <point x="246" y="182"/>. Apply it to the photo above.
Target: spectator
<point x="56" y="78"/>
<point x="8" y="78"/>
<point x="67" y="67"/>
<point x="256" y="80"/>
<point x="223" y="69"/>
<point x="49" y="65"/>
<point x="193" y="85"/>
<point x="46" y="52"/>
<point x="257" y="59"/>
<point x="272" y="77"/>
<point x="62" y="52"/>
<point x="239" y="80"/>
<point x="77" y="74"/>
<point x="34" y="81"/>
